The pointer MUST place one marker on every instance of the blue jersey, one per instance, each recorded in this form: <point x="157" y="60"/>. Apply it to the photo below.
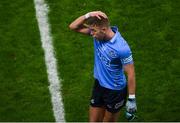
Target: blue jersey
<point x="110" y="56"/>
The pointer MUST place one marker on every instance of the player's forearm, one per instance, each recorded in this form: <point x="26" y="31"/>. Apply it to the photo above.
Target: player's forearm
<point x="77" y="23"/>
<point x="131" y="84"/>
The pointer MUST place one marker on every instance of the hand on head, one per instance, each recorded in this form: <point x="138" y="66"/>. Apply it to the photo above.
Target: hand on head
<point x="97" y="14"/>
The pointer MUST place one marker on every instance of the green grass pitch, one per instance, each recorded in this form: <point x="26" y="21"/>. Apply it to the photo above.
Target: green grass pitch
<point x="151" y="27"/>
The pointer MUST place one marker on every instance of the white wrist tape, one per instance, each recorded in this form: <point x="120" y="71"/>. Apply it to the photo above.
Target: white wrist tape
<point x="87" y="15"/>
<point x="132" y="96"/>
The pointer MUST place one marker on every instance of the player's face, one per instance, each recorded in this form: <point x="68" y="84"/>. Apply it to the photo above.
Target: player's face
<point x="97" y="32"/>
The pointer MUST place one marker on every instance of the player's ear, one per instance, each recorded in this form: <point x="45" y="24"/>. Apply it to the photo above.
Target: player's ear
<point x="104" y="29"/>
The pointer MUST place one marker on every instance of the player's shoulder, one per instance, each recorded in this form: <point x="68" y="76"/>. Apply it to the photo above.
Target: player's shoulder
<point x="121" y="45"/>
<point x="123" y="49"/>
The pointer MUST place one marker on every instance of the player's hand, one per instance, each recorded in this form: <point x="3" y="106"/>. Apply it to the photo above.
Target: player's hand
<point x="131" y="109"/>
<point x="97" y="14"/>
<point x="131" y="105"/>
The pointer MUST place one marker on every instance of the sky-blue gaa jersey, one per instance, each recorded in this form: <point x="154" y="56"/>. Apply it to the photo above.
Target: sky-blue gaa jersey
<point x="110" y="56"/>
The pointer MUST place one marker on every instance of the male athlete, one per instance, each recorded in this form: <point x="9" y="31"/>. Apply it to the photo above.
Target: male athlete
<point x="112" y="57"/>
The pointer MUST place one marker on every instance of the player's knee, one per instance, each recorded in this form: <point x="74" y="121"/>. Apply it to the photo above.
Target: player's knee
<point x="96" y="114"/>
<point x="111" y="117"/>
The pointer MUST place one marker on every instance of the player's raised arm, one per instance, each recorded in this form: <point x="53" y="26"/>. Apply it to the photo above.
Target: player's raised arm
<point x="78" y="24"/>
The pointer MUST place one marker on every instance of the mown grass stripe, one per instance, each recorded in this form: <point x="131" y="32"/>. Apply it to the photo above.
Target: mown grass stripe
<point x="46" y="39"/>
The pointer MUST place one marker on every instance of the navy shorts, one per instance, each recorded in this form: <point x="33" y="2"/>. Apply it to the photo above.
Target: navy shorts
<point x="112" y="100"/>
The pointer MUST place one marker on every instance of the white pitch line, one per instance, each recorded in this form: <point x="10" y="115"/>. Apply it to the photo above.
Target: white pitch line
<point x="46" y="39"/>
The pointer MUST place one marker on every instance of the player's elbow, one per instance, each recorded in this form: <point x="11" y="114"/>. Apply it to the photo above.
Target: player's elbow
<point x="72" y="27"/>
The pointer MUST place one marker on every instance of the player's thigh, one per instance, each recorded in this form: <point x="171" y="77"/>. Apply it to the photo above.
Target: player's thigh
<point x="96" y="114"/>
<point x="114" y="101"/>
<point x="110" y="117"/>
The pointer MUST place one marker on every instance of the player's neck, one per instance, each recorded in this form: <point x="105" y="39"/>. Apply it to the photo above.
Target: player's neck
<point x="109" y="35"/>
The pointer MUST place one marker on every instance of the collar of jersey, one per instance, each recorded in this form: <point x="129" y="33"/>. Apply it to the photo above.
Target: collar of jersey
<point x="115" y="30"/>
